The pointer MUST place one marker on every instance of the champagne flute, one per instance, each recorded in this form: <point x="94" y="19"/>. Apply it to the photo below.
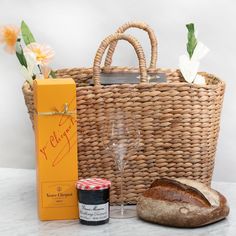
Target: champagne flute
<point x="122" y="142"/>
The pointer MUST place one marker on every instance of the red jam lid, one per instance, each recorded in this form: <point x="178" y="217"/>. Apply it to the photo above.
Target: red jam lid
<point x="93" y="184"/>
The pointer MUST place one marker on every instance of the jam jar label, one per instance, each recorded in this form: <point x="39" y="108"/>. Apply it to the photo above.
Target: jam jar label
<point x="94" y="212"/>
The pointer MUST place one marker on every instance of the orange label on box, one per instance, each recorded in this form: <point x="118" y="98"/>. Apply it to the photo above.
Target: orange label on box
<point x="58" y="194"/>
<point x="56" y="148"/>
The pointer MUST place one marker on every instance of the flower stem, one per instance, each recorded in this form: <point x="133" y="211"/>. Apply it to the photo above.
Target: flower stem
<point x="40" y="71"/>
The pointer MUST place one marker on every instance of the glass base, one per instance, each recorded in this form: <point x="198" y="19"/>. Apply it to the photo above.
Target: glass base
<point x="116" y="213"/>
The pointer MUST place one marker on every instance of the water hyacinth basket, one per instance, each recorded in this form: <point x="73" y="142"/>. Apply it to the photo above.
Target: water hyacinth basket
<point x="178" y="122"/>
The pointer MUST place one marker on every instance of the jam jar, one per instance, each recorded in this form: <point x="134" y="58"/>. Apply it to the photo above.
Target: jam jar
<point x="94" y="205"/>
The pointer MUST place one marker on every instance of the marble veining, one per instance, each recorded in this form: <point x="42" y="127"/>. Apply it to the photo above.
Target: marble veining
<point x="18" y="214"/>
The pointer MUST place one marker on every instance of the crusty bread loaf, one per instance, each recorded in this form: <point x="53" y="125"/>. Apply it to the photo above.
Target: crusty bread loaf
<point x="181" y="203"/>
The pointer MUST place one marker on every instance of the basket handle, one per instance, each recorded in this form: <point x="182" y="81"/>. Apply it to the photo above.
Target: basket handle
<point x="104" y="45"/>
<point x="139" y="25"/>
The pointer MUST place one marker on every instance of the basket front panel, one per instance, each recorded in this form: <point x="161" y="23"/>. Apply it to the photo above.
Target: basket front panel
<point x="178" y="125"/>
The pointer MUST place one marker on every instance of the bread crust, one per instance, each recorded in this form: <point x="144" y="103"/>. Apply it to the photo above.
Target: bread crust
<point x="181" y="203"/>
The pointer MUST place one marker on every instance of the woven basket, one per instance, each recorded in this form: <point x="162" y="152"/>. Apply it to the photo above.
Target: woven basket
<point x="178" y="122"/>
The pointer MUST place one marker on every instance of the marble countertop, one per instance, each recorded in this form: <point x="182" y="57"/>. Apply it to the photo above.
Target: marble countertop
<point x="18" y="214"/>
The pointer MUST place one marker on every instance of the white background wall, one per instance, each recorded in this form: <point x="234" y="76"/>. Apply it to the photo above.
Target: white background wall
<point x="74" y="29"/>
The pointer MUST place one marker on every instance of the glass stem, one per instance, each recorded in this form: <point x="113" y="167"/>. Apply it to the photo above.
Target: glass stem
<point x="121" y="191"/>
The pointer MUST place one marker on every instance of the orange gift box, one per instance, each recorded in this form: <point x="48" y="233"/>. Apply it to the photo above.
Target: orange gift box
<point x="56" y="148"/>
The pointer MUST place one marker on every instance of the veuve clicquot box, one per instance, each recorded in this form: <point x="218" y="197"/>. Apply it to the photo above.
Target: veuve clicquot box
<point x="56" y="148"/>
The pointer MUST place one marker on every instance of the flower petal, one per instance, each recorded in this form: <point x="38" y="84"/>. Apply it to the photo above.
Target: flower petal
<point x="26" y="74"/>
<point x="31" y="62"/>
<point x="43" y="53"/>
<point x="200" y="80"/>
<point x="8" y="36"/>
<point x="200" y="51"/>
<point x="188" y="68"/>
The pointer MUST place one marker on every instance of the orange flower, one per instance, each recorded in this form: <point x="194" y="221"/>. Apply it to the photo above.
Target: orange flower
<point x="43" y="53"/>
<point x="8" y="36"/>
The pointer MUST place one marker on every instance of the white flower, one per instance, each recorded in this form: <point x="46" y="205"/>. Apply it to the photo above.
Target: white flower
<point x="189" y="67"/>
<point x="26" y="74"/>
<point x="29" y="71"/>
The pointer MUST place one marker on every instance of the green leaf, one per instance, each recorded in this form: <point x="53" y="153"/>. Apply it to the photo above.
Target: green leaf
<point x="53" y="74"/>
<point x="26" y="34"/>
<point x="192" y="41"/>
<point x="20" y="54"/>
